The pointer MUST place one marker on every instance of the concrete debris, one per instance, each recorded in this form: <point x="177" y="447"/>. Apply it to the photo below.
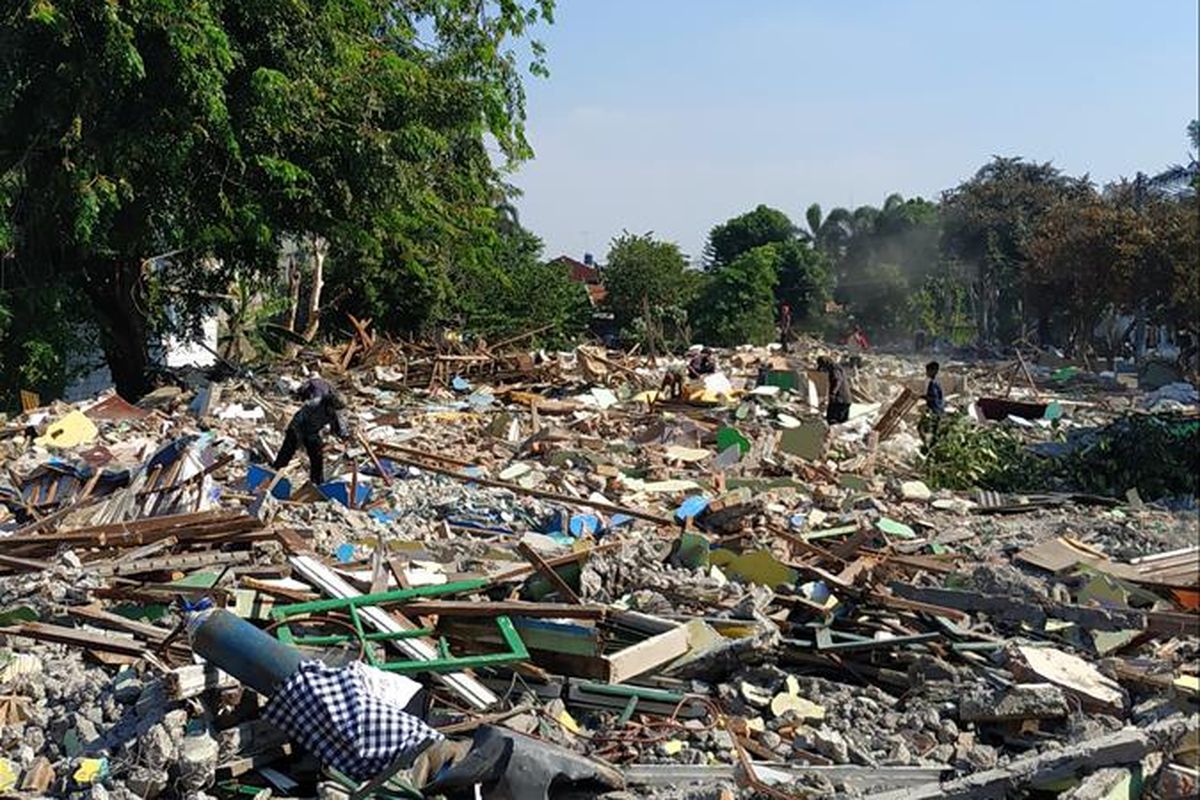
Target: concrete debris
<point x="915" y="490"/>
<point x="1022" y="701"/>
<point x="713" y="595"/>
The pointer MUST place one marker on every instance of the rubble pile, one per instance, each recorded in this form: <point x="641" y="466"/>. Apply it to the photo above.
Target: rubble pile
<point x="711" y="595"/>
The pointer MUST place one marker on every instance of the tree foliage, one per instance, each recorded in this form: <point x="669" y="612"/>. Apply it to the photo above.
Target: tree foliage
<point x="644" y="276"/>
<point x="1083" y="257"/>
<point x="737" y="306"/>
<point x="1183" y="179"/>
<point x="940" y="304"/>
<point x="201" y="129"/>
<point x="988" y="222"/>
<point x="803" y="280"/>
<point x="763" y="225"/>
<point x="525" y="294"/>
<point x="744" y="289"/>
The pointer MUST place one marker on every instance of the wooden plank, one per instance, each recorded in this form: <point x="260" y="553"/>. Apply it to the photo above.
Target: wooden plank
<point x="904" y="604"/>
<point x="51" y="519"/>
<point x="186" y="527"/>
<point x="24" y="564"/>
<point x="1055" y="555"/>
<point x="520" y="573"/>
<point x="90" y="640"/>
<point x="29" y="401"/>
<point x="646" y="655"/>
<point x="213" y="467"/>
<point x="926" y="563"/>
<point x="173" y="563"/>
<point x="145" y="551"/>
<point x="379" y="568"/>
<point x="286" y="592"/>
<point x="512" y="608"/>
<point x="890" y="420"/>
<point x="385" y="474"/>
<point x="547" y="572"/>
<point x="107" y="619"/>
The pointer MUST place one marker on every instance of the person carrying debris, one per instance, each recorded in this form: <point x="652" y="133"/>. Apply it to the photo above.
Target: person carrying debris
<point x="322" y="408"/>
<point x="837" y="408"/>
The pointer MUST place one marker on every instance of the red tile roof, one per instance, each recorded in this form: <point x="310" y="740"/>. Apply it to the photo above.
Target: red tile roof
<point x="580" y="272"/>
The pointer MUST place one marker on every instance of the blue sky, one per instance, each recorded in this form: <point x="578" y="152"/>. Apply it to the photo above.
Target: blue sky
<point x="674" y="115"/>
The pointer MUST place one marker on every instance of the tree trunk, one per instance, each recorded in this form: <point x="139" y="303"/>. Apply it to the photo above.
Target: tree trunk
<point x="114" y="290"/>
<point x="1139" y="333"/>
<point x="320" y="249"/>
<point x="293" y="294"/>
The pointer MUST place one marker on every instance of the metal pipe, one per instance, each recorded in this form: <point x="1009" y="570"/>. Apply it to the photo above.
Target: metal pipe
<point x="256" y="659"/>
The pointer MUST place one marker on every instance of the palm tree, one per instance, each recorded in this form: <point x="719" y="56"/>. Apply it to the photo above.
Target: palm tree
<point x="892" y="202"/>
<point x="832" y="233"/>
<point x="1182" y="179"/>
<point x="813" y="217"/>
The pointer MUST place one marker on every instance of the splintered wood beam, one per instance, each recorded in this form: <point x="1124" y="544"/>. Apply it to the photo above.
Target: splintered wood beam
<point x="385" y="474"/>
<point x="547" y="571"/>
<point x="89" y="640"/>
<point x="519" y="573"/>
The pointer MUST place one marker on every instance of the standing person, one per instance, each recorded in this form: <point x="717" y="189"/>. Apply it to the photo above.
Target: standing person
<point x="935" y="404"/>
<point x="935" y="401"/>
<point x="837" y="407"/>
<point x="322" y="407"/>
<point x="785" y="326"/>
<point x="858" y="338"/>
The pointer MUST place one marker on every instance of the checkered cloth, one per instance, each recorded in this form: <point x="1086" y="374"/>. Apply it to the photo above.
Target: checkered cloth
<point x="341" y="716"/>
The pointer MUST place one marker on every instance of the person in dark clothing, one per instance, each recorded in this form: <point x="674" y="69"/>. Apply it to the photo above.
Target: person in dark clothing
<point x="703" y="363"/>
<point x="935" y="405"/>
<point x="673" y="383"/>
<point x="322" y="408"/>
<point x="785" y="326"/>
<point x="837" y="408"/>
<point x="935" y="401"/>
<point x="764" y="372"/>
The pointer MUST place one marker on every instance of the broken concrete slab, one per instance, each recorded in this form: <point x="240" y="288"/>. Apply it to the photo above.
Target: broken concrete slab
<point x="1018" y="702"/>
<point x="915" y="490"/>
<point x="1075" y="676"/>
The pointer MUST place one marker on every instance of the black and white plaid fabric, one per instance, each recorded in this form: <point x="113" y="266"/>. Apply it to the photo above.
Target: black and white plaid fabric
<point x="341" y="717"/>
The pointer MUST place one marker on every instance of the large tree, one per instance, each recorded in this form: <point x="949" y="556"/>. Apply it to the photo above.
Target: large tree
<point x="200" y="128"/>
<point x="763" y="225"/>
<point x="524" y="294"/>
<point x="799" y="274"/>
<point x="737" y="306"/>
<point x="987" y="224"/>
<point x="803" y="280"/>
<point x="647" y="282"/>
<point x="1082" y="260"/>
